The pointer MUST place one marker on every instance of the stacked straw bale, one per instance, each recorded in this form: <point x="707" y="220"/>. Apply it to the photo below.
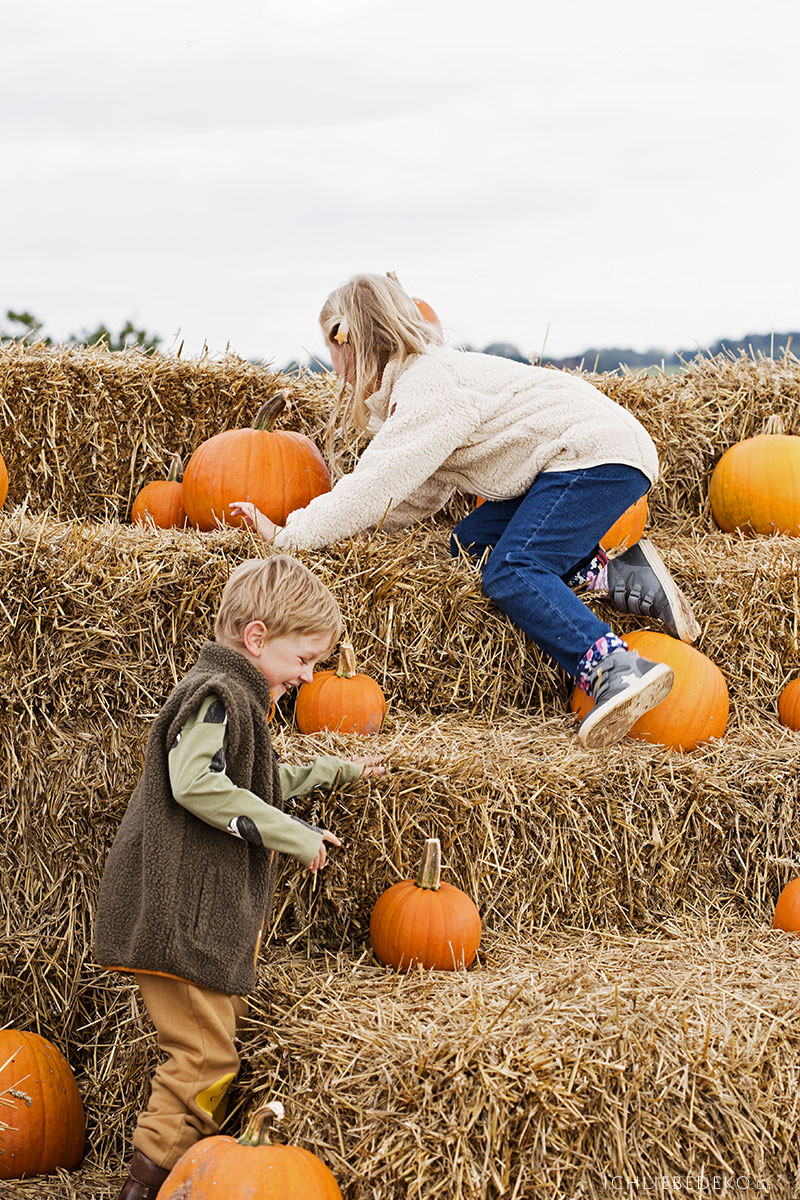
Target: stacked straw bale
<point x="83" y="430"/>
<point x="630" y="1017"/>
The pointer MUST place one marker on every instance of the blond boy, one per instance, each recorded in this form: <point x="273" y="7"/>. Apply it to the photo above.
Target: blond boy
<point x="188" y="881"/>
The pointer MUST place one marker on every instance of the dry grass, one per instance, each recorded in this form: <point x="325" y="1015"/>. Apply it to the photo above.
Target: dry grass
<point x="632" y="1015"/>
<point x="85" y="429"/>
<point x="549" y="1070"/>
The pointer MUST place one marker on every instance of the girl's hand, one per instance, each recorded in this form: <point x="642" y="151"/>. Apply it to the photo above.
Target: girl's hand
<point x="254" y="519"/>
<point x="370" y="766"/>
<point x="320" y="858"/>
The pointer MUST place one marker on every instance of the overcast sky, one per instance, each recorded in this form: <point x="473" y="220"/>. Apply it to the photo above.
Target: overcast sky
<point x="563" y="175"/>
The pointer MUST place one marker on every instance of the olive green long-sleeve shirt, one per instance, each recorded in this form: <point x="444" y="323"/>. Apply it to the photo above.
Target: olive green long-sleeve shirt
<point x="199" y="783"/>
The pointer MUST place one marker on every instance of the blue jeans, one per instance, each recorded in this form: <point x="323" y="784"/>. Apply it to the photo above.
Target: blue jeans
<point x="540" y="540"/>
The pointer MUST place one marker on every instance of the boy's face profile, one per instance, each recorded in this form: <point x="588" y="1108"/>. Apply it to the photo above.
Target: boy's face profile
<point x="285" y="661"/>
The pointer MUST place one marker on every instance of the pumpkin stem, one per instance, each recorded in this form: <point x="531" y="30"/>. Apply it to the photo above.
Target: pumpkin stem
<point x="270" y="410"/>
<point x="430" y="870"/>
<point x="175" y="472"/>
<point x="347" y="661"/>
<point x="255" y="1133"/>
<point x="775" y="424"/>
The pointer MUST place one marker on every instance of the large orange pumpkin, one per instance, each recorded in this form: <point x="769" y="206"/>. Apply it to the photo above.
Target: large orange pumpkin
<point x="41" y="1116"/>
<point x="343" y="700"/>
<point x="787" y="910"/>
<point x="160" y="503"/>
<point x="696" y="708"/>
<point x="789" y="705"/>
<point x="424" y="921"/>
<point x="627" y="529"/>
<point x="277" y="470"/>
<point x="249" y="1168"/>
<point x="755" y="486"/>
<point x="3" y="481"/>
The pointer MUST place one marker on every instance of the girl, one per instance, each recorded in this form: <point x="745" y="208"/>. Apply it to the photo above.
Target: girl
<point x="556" y="461"/>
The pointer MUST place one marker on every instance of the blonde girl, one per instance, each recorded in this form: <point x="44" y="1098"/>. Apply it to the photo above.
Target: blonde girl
<point x="556" y="461"/>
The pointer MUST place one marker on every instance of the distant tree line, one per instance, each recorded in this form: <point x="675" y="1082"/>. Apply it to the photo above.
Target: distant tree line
<point x="30" y="329"/>
<point x="771" y="345"/>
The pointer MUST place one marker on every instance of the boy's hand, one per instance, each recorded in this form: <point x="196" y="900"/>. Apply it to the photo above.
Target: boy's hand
<point x="319" y="860"/>
<point x="373" y="765"/>
<point x="254" y="518"/>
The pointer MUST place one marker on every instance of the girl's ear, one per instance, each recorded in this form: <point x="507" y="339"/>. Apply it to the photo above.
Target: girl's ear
<point x="254" y="635"/>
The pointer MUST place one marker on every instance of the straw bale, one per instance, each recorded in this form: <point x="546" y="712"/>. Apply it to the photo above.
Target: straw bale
<point x="85" y="428"/>
<point x="630" y="1014"/>
<point x="562" y="1064"/>
<point x="695" y="414"/>
<point x="549" y="840"/>
<point x="103" y="618"/>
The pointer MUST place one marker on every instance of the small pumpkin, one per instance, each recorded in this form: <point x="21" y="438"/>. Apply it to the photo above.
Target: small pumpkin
<point x="627" y="529"/>
<point x="787" y="910"/>
<point x="696" y="708"/>
<point x="42" y="1125"/>
<point x="755" y="486"/>
<point x="789" y="705"/>
<point x="250" y="1167"/>
<point x="428" y="313"/>
<point x="160" y="503"/>
<point x="425" y="921"/>
<point x="343" y="700"/>
<point x="276" y="469"/>
<point x="3" y="481"/>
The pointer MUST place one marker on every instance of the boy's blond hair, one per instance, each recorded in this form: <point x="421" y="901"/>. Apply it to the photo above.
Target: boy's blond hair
<point x="282" y="593"/>
<point x="374" y="320"/>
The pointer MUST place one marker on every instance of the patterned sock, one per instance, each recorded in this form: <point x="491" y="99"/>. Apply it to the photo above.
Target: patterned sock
<point x="600" y="649"/>
<point x="594" y="576"/>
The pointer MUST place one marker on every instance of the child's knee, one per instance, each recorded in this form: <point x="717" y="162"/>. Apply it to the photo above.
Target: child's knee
<point x="497" y="577"/>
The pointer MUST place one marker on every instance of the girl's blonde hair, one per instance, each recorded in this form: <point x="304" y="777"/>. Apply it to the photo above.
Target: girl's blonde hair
<point x="376" y="321"/>
<point x="282" y="593"/>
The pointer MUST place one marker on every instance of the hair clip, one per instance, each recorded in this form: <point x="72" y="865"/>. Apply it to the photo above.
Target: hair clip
<point x="341" y="333"/>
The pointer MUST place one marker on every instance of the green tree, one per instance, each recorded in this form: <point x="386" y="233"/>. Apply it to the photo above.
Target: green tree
<point x="29" y="329"/>
<point x="128" y="336"/>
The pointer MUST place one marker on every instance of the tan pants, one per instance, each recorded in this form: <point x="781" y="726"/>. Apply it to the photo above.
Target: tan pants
<point x="196" y="1028"/>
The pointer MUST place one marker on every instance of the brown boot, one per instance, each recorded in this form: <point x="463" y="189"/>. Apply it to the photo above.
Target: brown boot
<point x="144" y="1178"/>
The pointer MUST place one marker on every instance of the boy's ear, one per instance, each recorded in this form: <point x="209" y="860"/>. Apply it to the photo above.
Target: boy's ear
<point x="254" y="635"/>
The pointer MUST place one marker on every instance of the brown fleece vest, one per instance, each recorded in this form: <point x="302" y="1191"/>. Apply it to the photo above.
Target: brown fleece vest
<point x="178" y="896"/>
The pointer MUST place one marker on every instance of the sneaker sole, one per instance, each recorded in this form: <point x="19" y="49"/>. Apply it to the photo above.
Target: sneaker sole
<point x="609" y="723"/>
<point x="686" y="627"/>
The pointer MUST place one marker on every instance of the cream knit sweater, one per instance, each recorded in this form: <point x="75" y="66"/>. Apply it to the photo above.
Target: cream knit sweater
<point x="452" y="419"/>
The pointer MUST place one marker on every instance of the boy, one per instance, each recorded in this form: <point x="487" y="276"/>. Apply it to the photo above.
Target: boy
<point x="188" y="881"/>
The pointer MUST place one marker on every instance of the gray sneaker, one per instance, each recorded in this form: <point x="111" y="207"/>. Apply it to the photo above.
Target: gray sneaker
<point x="623" y="686"/>
<point x="639" y="583"/>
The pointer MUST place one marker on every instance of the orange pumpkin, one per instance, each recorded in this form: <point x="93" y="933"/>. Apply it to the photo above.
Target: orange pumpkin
<point x="789" y="705"/>
<point x="41" y="1116"/>
<point x="755" y="486"/>
<point x="160" y="503"/>
<point x="342" y="700"/>
<point x="276" y="470"/>
<point x="249" y="1168"/>
<point x="696" y="708"/>
<point x="428" y="313"/>
<point x="3" y="481"/>
<point x="627" y="529"/>
<point x="787" y="910"/>
<point x="424" y="921"/>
